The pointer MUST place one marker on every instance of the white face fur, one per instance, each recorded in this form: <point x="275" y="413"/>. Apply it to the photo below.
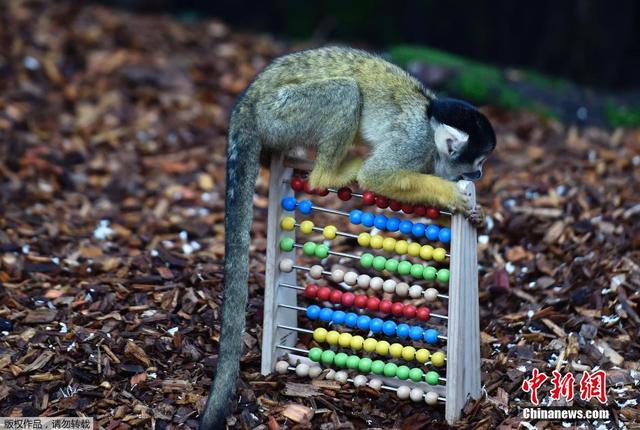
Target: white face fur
<point x="449" y="142"/>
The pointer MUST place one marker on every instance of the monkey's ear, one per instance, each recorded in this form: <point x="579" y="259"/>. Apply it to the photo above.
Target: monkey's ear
<point x="449" y="140"/>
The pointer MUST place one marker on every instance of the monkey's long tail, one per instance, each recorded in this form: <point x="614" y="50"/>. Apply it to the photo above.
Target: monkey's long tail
<point x="243" y="164"/>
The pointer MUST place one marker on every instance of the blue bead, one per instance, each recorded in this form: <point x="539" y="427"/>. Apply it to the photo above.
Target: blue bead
<point x="403" y="330"/>
<point x="351" y="319"/>
<point x="380" y="222"/>
<point x="375" y="325"/>
<point x="415" y="333"/>
<point x="305" y="207"/>
<point x="325" y="314"/>
<point x="406" y="226"/>
<point x="363" y="322"/>
<point x="389" y="328"/>
<point x="432" y="232"/>
<point x="313" y="311"/>
<point x="418" y="229"/>
<point x="338" y="317"/>
<point x="431" y="336"/>
<point x="367" y="219"/>
<point x="393" y="224"/>
<point x="445" y="235"/>
<point x="289" y="203"/>
<point x="355" y="216"/>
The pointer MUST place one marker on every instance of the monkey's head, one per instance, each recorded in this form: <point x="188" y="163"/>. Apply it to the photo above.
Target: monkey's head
<point x="463" y="137"/>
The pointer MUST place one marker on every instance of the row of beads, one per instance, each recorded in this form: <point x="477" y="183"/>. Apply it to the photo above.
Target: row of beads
<point x="401" y="289"/>
<point x="368" y="198"/>
<point x="380" y="347"/>
<point x="377" y="367"/>
<point x="362" y="301"/>
<point x="403" y="391"/>
<point x="376" y="325"/>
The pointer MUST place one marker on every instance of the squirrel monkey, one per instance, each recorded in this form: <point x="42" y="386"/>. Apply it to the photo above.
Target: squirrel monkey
<point x="332" y="98"/>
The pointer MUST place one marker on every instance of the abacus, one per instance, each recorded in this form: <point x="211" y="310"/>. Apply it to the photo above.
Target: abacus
<point x="431" y="357"/>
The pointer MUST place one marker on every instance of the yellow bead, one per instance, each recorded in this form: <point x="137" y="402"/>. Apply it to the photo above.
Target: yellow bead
<point x="439" y="254"/>
<point x="426" y="252"/>
<point x="422" y="356"/>
<point x="369" y="344"/>
<point x="288" y="223"/>
<point x="395" y="350"/>
<point x="401" y="247"/>
<point x="376" y="241"/>
<point x="382" y="347"/>
<point x="332" y="337"/>
<point x="437" y="359"/>
<point x="413" y="249"/>
<point x="344" y="340"/>
<point x="320" y="334"/>
<point x="356" y="342"/>
<point x="408" y="353"/>
<point x="329" y="232"/>
<point x="364" y="239"/>
<point x="389" y="244"/>
<point x="306" y="227"/>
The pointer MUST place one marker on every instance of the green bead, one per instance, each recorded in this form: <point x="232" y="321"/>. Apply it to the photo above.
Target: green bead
<point x="391" y="265"/>
<point x="309" y="248"/>
<point x="390" y="369"/>
<point x="379" y="262"/>
<point x="353" y="361"/>
<point x="443" y="275"/>
<point x="432" y="378"/>
<point x="416" y="270"/>
<point x="403" y="372"/>
<point x="404" y="268"/>
<point x="322" y="251"/>
<point x="366" y="260"/>
<point x="365" y="365"/>
<point x="327" y="356"/>
<point x="340" y="360"/>
<point x="415" y="374"/>
<point x="429" y="273"/>
<point x="286" y="244"/>
<point x="377" y="367"/>
<point x="315" y="354"/>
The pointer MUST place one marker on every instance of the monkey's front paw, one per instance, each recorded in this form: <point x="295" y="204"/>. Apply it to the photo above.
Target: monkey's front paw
<point x="460" y="204"/>
<point x="476" y="217"/>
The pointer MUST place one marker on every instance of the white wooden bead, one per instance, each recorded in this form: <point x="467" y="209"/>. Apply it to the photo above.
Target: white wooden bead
<point x="402" y="289"/>
<point x="282" y="367"/>
<point x="431" y="295"/>
<point x="286" y="265"/>
<point x="360" y="381"/>
<point x="341" y="376"/>
<point x="363" y="280"/>
<point x="293" y="360"/>
<point x="302" y="369"/>
<point x="331" y="374"/>
<point x="337" y="275"/>
<point x="417" y="395"/>
<point x="389" y="286"/>
<point x="315" y="371"/>
<point x="431" y="398"/>
<point x="376" y="283"/>
<point x="403" y="392"/>
<point x="316" y="271"/>
<point x="415" y="291"/>
<point x="350" y="278"/>
<point x="375" y="383"/>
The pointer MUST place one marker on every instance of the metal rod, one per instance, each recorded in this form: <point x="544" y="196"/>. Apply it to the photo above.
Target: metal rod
<point x="329" y="211"/>
<point x="302" y="330"/>
<point x="297" y="308"/>
<point x="291" y="348"/>
<point x="339" y="233"/>
<point x="293" y="287"/>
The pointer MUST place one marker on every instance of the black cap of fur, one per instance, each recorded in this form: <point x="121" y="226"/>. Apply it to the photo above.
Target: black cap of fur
<point x="465" y="117"/>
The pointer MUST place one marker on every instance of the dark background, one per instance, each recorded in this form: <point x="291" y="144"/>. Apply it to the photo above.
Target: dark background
<point x="589" y="42"/>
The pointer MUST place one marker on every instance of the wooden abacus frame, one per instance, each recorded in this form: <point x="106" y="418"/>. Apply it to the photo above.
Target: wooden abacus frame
<point x="463" y="332"/>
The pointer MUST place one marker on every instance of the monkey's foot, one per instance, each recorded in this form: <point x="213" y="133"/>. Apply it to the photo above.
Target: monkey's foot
<point x="476" y="217"/>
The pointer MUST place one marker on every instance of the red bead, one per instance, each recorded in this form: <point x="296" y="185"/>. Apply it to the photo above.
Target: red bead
<point x="348" y="299"/>
<point x="368" y="198"/>
<point x="336" y="296"/>
<point x="423" y="313"/>
<point x="310" y="291"/>
<point x="382" y="202"/>
<point x="397" y="309"/>
<point x="420" y="210"/>
<point x="407" y="208"/>
<point x="409" y="311"/>
<point x="395" y="205"/>
<point x="385" y="306"/>
<point x="297" y="183"/>
<point x="324" y="293"/>
<point x="321" y="192"/>
<point x="433" y="213"/>
<point x="361" y="301"/>
<point x="373" y="304"/>
<point x="307" y="188"/>
<point x="344" y="193"/>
